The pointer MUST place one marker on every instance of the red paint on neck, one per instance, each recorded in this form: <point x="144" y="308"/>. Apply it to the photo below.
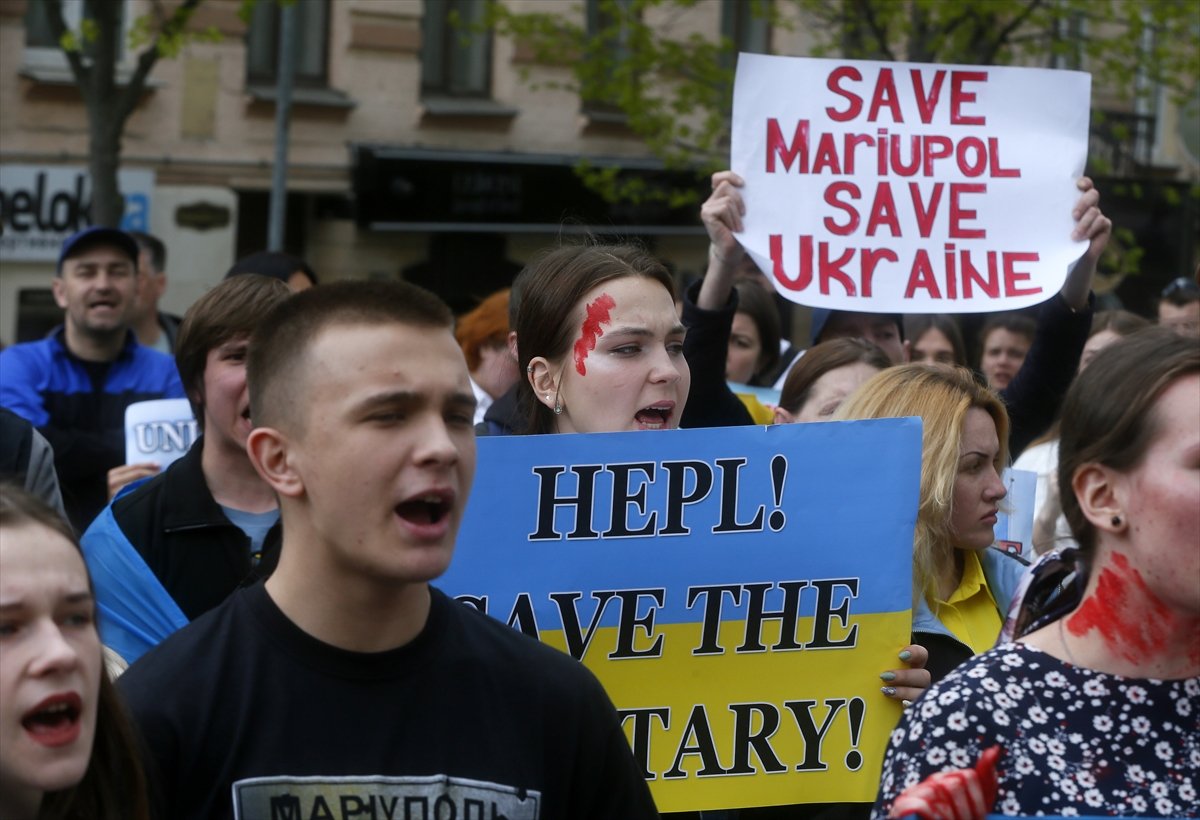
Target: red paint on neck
<point x="1134" y="624"/>
<point x="590" y="330"/>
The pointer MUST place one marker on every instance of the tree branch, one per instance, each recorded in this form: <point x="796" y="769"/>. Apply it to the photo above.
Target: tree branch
<point x="881" y="38"/>
<point x="1002" y="37"/>
<point x="58" y="28"/>
<point x="173" y="27"/>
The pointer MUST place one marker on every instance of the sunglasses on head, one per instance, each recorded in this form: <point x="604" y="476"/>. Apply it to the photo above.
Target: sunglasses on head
<point x="1180" y="285"/>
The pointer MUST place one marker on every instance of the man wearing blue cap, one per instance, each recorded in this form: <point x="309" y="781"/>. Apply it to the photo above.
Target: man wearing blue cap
<point x="75" y="384"/>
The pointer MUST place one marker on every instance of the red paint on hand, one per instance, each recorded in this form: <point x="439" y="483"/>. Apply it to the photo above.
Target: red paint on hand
<point x="959" y="794"/>
<point x="989" y="781"/>
<point x="597" y="315"/>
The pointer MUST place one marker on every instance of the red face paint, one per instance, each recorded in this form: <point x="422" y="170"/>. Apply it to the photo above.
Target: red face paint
<point x="590" y="330"/>
<point x="1134" y="624"/>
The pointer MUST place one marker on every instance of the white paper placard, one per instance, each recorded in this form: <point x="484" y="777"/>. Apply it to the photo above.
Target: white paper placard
<point x="909" y="187"/>
<point x="159" y="431"/>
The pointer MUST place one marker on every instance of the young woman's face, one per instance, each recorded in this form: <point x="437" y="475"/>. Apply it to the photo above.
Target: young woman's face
<point x="1003" y="354"/>
<point x="977" y="487"/>
<point x="831" y="389"/>
<point x="1160" y="500"/>
<point x="745" y="349"/>
<point x="625" y="369"/>
<point x="933" y="347"/>
<point x="50" y="662"/>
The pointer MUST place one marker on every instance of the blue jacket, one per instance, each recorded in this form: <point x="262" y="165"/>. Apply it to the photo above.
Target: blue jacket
<point x="1003" y="573"/>
<point x="84" y="422"/>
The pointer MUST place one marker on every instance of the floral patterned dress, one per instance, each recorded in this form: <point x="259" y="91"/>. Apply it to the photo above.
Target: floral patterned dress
<point x="1076" y="742"/>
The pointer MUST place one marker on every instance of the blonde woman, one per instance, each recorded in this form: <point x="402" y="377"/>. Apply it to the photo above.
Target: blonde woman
<point x="961" y="586"/>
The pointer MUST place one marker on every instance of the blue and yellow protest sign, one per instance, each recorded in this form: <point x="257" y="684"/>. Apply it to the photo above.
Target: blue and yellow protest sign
<point x="737" y="591"/>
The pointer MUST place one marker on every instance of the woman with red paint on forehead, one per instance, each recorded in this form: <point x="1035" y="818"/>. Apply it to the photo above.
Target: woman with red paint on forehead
<point x="602" y="347"/>
<point x="1096" y="707"/>
<point x="600" y="342"/>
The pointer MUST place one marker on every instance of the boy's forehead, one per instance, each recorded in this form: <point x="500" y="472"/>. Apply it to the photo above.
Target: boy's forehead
<point x="344" y="348"/>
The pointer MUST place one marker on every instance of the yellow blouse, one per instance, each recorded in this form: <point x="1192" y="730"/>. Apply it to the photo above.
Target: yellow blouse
<point x="971" y="613"/>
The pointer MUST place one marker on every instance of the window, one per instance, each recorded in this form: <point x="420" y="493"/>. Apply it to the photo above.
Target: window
<point x="607" y="22"/>
<point x="311" y="43"/>
<point x="42" y="53"/>
<point x="746" y="23"/>
<point x="456" y="61"/>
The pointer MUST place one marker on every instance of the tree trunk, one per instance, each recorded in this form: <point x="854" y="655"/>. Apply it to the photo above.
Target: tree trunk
<point x="105" y="120"/>
<point x="104" y="159"/>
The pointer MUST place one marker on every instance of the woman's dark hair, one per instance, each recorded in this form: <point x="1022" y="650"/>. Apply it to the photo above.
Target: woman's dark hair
<point x="114" y="786"/>
<point x="1017" y="323"/>
<point x="760" y="307"/>
<point x="274" y="264"/>
<point x="1120" y="322"/>
<point x="553" y="284"/>
<point x="1108" y="413"/>
<point x="917" y="325"/>
<point x="823" y="358"/>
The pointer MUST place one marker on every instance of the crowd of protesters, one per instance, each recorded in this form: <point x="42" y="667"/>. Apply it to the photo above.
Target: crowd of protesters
<point x="256" y="629"/>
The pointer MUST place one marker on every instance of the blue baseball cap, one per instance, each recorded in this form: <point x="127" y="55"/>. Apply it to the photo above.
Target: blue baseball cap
<point x="80" y="241"/>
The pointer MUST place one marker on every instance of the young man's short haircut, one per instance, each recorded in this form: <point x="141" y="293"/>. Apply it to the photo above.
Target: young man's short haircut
<point x="232" y="309"/>
<point x="153" y="246"/>
<point x="281" y="342"/>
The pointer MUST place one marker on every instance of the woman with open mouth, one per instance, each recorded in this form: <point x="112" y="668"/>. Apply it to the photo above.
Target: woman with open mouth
<point x="56" y="701"/>
<point x="600" y="342"/>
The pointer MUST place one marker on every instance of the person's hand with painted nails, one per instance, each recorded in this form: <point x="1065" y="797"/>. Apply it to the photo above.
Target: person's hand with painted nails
<point x="962" y="794"/>
<point x="909" y="683"/>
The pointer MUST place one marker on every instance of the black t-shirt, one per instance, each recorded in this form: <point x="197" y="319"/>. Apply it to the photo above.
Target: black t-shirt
<point x="245" y="715"/>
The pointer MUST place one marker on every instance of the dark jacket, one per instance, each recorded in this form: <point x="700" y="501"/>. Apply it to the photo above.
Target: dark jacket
<point x="710" y="401"/>
<point x="1035" y="393"/>
<point x="503" y="417"/>
<point x="185" y="539"/>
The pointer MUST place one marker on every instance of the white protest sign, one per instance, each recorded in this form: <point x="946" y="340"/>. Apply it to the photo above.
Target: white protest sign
<point x="160" y="431"/>
<point x="909" y="188"/>
<point x="1014" y="523"/>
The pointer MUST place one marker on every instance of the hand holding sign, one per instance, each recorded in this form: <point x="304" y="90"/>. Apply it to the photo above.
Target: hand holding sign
<point x="1094" y="226"/>
<point x="722" y="217"/>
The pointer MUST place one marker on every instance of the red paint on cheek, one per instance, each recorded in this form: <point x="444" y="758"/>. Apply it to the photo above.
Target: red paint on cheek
<point x="597" y="315"/>
<point x="1125" y="612"/>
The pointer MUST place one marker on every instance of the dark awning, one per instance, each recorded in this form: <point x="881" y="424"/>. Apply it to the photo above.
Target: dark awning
<point x="414" y="189"/>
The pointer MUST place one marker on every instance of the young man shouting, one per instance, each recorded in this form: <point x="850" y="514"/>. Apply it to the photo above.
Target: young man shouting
<point x="345" y="685"/>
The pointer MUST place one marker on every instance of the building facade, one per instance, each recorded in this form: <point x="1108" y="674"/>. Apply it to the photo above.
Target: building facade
<point x="416" y="149"/>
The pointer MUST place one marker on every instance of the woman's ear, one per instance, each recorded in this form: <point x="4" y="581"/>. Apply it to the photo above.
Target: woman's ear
<point x="541" y="379"/>
<point x="1098" y="493"/>
<point x="269" y="453"/>
<point x="782" y="416"/>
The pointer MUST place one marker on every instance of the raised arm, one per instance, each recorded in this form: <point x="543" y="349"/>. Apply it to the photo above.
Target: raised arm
<point x="709" y="309"/>
<point x="1036" y="391"/>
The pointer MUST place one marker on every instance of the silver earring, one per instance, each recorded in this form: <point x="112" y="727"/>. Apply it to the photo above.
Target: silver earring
<point x="557" y="405"/>
<point x="547" y="397"/>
